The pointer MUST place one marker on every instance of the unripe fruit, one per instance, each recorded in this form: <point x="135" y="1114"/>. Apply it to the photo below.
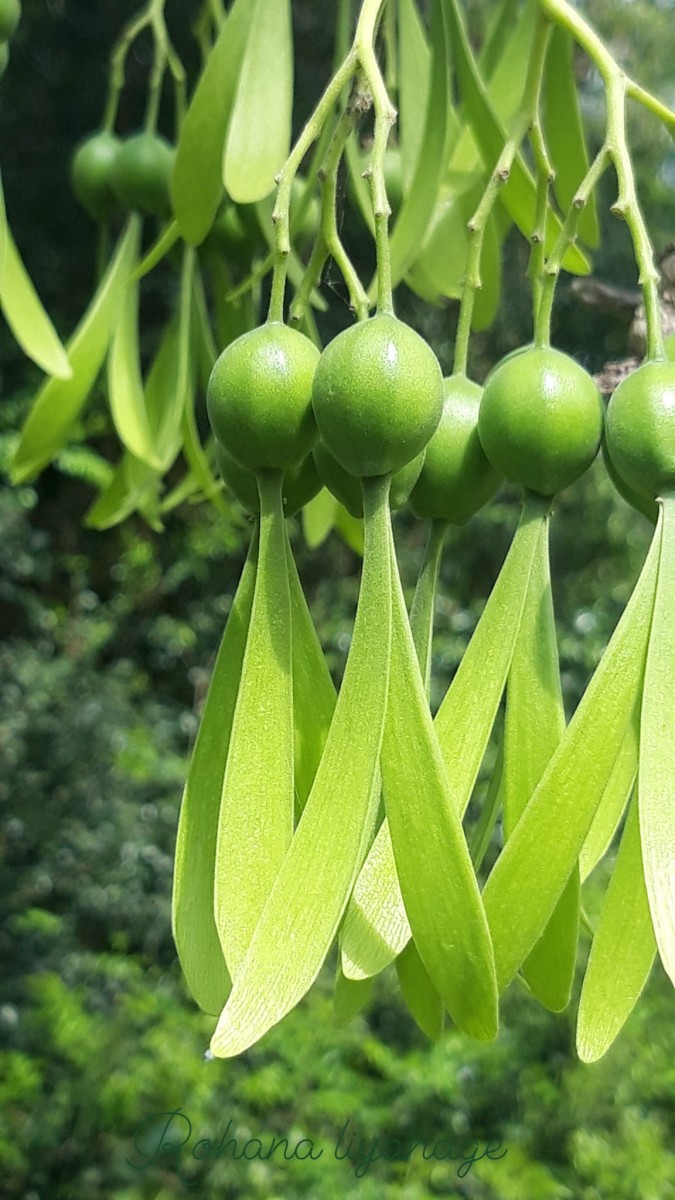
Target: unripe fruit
<point x="377" y="396"/>
<point x="10" y="15"/>
<point x="457" y="479"/>
<point x="300" y="483"/>
<point x="141" y="174"/>
<point x="347" y="489"/>
<point x="540" y="420"/>
<point x="649" y="508"/>
<point x="259" y="397"/>
<point x="91" y="175"/>
<point x="640" y="429"/>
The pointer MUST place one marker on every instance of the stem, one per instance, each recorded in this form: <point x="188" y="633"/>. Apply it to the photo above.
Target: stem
<point x="545" y="175"/>
<point x="422" y="611"/>
<point x="660" y="110"/>
<point x="617" y="87"/>
<point x="525" y="119"/>
<point x="385" y="118"/>
<point x="282" y="207"/>
<point x="566" y="237"/>
<point x="329" y="243"/>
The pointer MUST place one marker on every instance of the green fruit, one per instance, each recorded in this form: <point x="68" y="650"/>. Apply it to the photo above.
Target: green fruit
<point x="347" y="489"/>
<point x="456" y="479"/>
<point x="91" y="175"/>
<point x="640" y="429"/>
<point x="540" y="420"/>
<point x="259" y="397"/>
<point x="377" y="396"/>
<point x="300" y="484"/>
<point x="647" y="507"/>
<point x="141" y="174"/>
<point x="10" y="15"/>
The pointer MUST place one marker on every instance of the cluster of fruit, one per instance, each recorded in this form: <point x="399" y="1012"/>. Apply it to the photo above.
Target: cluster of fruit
<point x="268" y="873"/>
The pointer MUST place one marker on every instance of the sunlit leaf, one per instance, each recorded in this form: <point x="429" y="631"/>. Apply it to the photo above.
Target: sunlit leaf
<point x="259" y="132"/>
<point x="59" y="402"/>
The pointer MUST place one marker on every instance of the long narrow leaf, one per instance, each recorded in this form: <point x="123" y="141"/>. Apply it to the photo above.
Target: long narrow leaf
<point x="259" y="131"/>
<point x="419" y="993"/>
<point x="622" y="953"/>
<point x="194" y="926"/>
<point x="656" y="772"/>
<point x="376" y="927"/>
<point x="532" y="870"/>
<point x="59" y="402"/>
<point x="614" y="800"/>
<point x="197" y="186"/>
<point x="26" y="317"/>
<point x="256" y="819"/>
<point x="533" y="727"/>
<point x="302" y="915"/>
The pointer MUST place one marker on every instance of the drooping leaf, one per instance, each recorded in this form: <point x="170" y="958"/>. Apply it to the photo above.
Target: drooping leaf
<point x="414" y="67"/>
<point x="622" y="953"/>
<point x="197" y="186"/>
<point x="614" y="800"/>
<point x="410" y="226"/>
<point x="349" y="998"/>
<point x="318" y="518"/>
<point x="193" y="921"/>
<point x="376" y="926"/>
<point x="534" y="866"/>
<point x="60" y="401"/>
<point x="259" y="132"/>
<point x="313" y="689"/>
<point x="656" y="771"/>
<point x="257" y="806"/>
<point x="419" y="992"/>
<point x="519" y="193"/>
<point x="533" y="727"/>
<point x="125" y="383"/>
<point x="131" y="488"/>
<point x="26" y="317"/>
<point x="437" y="882"/>
<point x="302" y="915"/>
<point x="166" y="404"/>
<point x="564" y="131"/>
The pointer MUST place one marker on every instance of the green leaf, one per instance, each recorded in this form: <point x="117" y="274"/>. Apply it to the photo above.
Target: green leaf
<point x="532" y="870"/>
<point x="418" y="205"/>
<point x="125" y="384"/>
<point x="376" y="926"/>
<point x="318" y="518"/>
<point x="26" y="317"/>
<point x="349" y="998"/>
<point x="259" y="133"/>
<point x="197" y="187"/>
<point x="437" y="881"/>
<point x="193" y="921"/>
<point x="622" y="953"/>
<point x="161" y="247"/>
<point x="133" y="483"/>
<point x="256" y="819"/>
<point x="59" y="402"/>
<point x="350" y="529"/>
<point x="533" y="727"/>
<point x="419" y="992"/>
<point x="313" y="689"/>
<point x="414" y="69"/>
<point x="303" y="912"/>
<point x="614" y="799"/>
<point x="656" y="772"/>
<point x="564" y="131"/>
<point x="166" y="393"/>
<point x="519" y="194"/>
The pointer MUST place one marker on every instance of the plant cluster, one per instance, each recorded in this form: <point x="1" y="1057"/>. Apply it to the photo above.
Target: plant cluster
<point x="310" y="816"/>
